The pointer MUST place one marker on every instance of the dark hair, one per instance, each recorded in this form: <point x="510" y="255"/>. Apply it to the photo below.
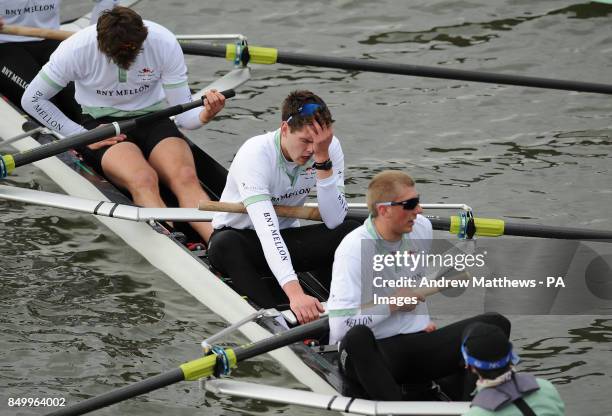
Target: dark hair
<point x="121" y="33"/>
<point x="291" y="108"/>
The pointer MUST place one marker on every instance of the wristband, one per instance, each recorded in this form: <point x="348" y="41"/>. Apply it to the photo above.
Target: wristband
<point x="327" y="165"/>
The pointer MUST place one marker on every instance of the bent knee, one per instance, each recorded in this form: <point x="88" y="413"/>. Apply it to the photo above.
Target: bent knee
<point x="143" y="179"/>
<point x="359" y="335"/>
<point x="184" y="176"/>
<point x="221" y="243"/>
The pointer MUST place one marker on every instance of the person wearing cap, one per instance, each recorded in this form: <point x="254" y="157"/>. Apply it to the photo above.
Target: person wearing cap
<point x="387" y="346"/>
<point x="501" y="391"/>
<point x="124" y="67"/>
<point x="281" y="168"/>
<point x="21" y="57"/>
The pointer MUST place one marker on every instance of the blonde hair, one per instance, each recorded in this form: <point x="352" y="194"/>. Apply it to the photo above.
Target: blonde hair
<point x="386" y="186"/>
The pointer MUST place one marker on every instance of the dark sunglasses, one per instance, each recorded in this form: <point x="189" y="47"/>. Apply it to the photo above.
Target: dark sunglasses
<point x="306" y="110"/>
<point x="408" y="204"/>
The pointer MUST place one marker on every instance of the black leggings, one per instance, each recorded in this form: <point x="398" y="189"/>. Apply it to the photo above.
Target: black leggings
<point x="238" y="255"/>
<point x="19" y="64"/>
<point x="382" y="366"/>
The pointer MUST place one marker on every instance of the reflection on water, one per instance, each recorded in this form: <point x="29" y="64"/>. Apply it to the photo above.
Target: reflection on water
<point x="466" y="34"/>
<point x="474" y="33"/>
<point x="585" y="10"/>
<point x="566" y="359"/>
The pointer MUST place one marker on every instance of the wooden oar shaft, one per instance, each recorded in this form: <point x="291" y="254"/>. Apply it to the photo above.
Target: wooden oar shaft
<point x="36" y="32"/>
<point x="304" y="213"/>
<point x="428" y="291"/>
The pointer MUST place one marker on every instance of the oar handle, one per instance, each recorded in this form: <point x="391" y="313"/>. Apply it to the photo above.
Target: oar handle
<point x="178" y="109"/>
<point x="57" y="147"/>
<point x="428" y="291"/>
<point x="283" y="339"/>
<point x="233" y="207"/>
<point x="305" y="213"/>
<point x="36" y="32"/>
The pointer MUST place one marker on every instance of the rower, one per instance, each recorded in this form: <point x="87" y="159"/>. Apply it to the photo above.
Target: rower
<point x="487" y="352"/>
<point x="21" y="57"/>
<point x="386" y="346"/>
<point x="281" y="167"/>
<point x="122" y="68"/>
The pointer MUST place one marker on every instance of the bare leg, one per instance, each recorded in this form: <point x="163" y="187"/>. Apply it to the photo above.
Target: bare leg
<point x="173" y="161"/>
<point x="125" y="165"/>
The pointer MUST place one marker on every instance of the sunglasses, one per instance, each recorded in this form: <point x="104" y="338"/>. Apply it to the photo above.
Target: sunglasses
<point x="306" y="110"/>
<point x="408" y="204"/>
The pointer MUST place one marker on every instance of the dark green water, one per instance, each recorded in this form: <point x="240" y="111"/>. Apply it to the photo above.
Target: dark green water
<point x="81" y="313"/>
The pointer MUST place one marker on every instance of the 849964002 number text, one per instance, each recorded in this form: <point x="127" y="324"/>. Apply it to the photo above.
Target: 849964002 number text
<point x="36" y="401"/>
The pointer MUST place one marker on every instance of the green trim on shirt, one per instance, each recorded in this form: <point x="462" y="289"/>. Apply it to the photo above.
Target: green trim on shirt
<point x="122" y="74"/>
<point x="255" y="198"/>
<point x="405" y="244"/>
<point x="177" y="85"/>
<point x="50" y="81"/>
<point x="337" y="313"/>
<point x="98" y="112"/>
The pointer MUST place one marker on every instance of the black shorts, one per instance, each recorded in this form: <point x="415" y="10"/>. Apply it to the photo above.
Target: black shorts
<point x="311" y="247"/>
<point x="19" y="64"/>
<point x="146" y="138"/>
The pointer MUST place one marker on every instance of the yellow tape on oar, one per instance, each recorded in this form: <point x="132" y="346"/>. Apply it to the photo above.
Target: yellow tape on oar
<point x="258" y="54"/>
<point x="205" y="366"/>
<point x="485" y="227"/>
<point x="7" y="165"/>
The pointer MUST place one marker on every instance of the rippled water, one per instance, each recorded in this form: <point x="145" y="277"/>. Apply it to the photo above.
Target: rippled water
<point x="81" y="313"/>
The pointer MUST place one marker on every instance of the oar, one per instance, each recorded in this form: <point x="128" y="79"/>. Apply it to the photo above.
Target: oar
<point x="9" y="162"/>
<point x="333" y="402"/>
<point x="102" y="208"/>
<point x="491" y="227"/>
<point x="36" y="32"/>
<point x="261" y="55"/>
<point x="196" y="369"/>
<point x="485" y="227"/>
<point x="305" y="213"/>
